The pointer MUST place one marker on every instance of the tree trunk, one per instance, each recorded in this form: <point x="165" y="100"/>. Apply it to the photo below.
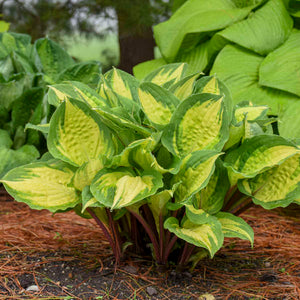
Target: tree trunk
<point x="135" y="39"/>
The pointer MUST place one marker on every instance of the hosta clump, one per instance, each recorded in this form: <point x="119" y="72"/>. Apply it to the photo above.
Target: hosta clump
<point x="25" y="71"/>
<point x="166" y="162"/>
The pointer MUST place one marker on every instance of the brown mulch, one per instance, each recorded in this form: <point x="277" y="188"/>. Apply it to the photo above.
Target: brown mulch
<point x="67" y="257"/>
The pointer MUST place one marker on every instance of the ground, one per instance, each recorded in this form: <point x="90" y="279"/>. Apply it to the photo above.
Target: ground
<point x="63" y="256"/>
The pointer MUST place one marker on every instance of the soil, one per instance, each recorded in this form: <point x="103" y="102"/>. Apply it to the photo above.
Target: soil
<point x="64" y="256"/>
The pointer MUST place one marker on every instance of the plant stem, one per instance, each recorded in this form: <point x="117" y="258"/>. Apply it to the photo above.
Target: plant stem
<point x="232" y="201"/>
<point x="150" y="219"/>
<point x="243" y="207"/>
<point x="169" y="247"/>
<point x="134" y="233"/>
<point x="184" y="254"/>
<point x="161" y="235"/>
<point x="229" y="193"/>
<point x="104" y="230"/>
<point x="150" y="234"/>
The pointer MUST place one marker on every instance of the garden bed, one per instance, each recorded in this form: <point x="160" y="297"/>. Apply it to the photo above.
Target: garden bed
<point x="66" y="257"/>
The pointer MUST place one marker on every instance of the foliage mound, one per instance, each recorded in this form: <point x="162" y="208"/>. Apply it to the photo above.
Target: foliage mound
<point x="25" y="71"/>
<point x="253" y="46"/>
<point x="165" y="165"/>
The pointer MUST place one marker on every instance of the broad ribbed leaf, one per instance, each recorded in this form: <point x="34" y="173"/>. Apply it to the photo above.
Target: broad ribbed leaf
<point x="117" y="188"/>
<point x="22" y="63"/>
<point x="235" y="227"/>
<point x="211" y="198"/>
<point x="85" y="174"/>
<point x="6" y="68"/>
<point x="286" y="59"/>
<point x="52" y="59"/>
<point x="43" y="185"/>
<point x="199" y="122"/>
<point x="239" y="69"/>
<point x="194" y="174"/>
<point x="184" y="88"/>
<point x="167" y="75"/>
<point x="198" y="216"/>
<point x="264" y="30"/>
<point x="276" y="187"/>
<point x="13" y="158"/>
<point x="76" y="90"/>
<point x="78" y="135"/>
<point x="141" y="70"/>
<point x="85" y="72"/>
<point x="193" y="21"/>
<point x="158" y="103"/>
<point x="44" y="128"/>
<point x="5" y="140"/>
<point x="258" y="154"/>
<point x="251" y="112"/>
<point x="208" y="236"/>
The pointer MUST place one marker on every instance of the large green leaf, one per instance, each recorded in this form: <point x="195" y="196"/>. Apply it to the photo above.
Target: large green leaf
<point x="85" y="72"/>
<point x="158" y="103"/>
<point x="43" y="185"/>
<point x="194" y="173"/>
<point x="78" y="135"/>
<point x="198" y="216"/>
<point x="258" y="154"/>
<point x="199" y="122"/>
<point x="236" y="227"/>
<point x="276" y="187"/>
<point x="117" y="188"/>
<point x="141" y="70"/>
<point x="211" y="198"/>
<point x="52" y="59"/>
<point x="286" y="59"/>
<point x="239" y="69"/>
<point x="264" y="30"/>
<point x="5" y="140"/>
<point x="208" y="236"/>
<point x="194" y="20"/>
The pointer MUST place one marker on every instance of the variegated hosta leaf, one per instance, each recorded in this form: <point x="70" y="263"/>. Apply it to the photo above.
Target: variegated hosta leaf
<point x="236" y="133"/>
<point x="258" y="154"/>
<point x="184" y="88"/>
<point x="74" y="90"/>
<point x="158" y="103"/>
<point x="44" y="128"/>
<point x="43" y="185"/>
<point x="235" y="227"/>
<point x="85" y="174"/>
<point x="78" y="135"/>
<point x="208" y="236"/>
<point x="167" y="75"/>
<point x="212" y="85"/>
<point x="141" y="70"/>
<point x="211" y="198"/>
<point x="199" y="122"/>
<point x="198" y="216"/>
<point x="194" y="174"/>
<point x="88" y="200"/>
<point x="297" y="201"/>
<point x="117" y="188"/>
<point x="250" y="111"/>
<point x="276" y="187"/>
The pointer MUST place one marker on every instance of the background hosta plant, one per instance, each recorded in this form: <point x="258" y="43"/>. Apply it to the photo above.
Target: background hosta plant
<point x="25" y="72"/>
<point x="253" y="46"/>
<point x="167" y="162"/>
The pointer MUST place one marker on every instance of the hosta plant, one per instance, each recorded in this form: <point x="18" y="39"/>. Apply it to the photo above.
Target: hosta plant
<point x="166" y="165"/>
<point x="253" y="46"/>
<point x="25" y="71"/>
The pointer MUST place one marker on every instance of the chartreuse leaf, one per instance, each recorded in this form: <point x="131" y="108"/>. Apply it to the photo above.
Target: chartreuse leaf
<point x="74" y="90"/>
<point x="258" y="154"/>
<point x="199" y="122"/>
<point x="77" y="134"/>
<point x="286" y="58"/>
<point x="276" y="187"/>
<point x="44" y="128"/>
<point x="194" y="173"/>
<point x="239" y="70"/>
<point x="233" y="226"/>
<point x="184" y="88"/>
<point x="43" y="185"/>
<point x="198" y="216"/>
<point x="158" y="103"/>
<point x="250" y="111"/>
<point x="211" y="198"/>
<point x="52" y="59"/>
<point x="85" y="174"/>
<point x="264" y="30"/>
<point x="117" y="188"/>
<point x="195" y="20"/>
<point x="88" y="200"/>
<point x="13" y="158"/>
<point x="167" y="75"/>
<point x="85" y="72"/>
<point x="208" y="236"/>
<point x="4" y="26"/>
<point x="141" y="70"/>
<point x="5" y="140"/>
